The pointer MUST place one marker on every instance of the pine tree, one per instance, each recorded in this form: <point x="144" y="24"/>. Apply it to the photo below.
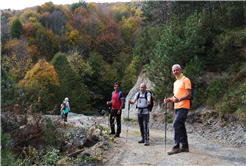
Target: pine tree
<point x="16" y="28"/>
<point x="76" y="5"/>
<point x="171" y="50"/>
<point x="144" y="44"/>
<point x="146" y="15"/>
<point x="157" y="13"/>
<point x="7" y="156"/>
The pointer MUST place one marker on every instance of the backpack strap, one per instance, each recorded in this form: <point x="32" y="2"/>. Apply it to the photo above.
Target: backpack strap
<point x="112" y="96"/>
<point x="138" y="95"/>
<point x="146" y="95"/>
<point x="119" y="96"/>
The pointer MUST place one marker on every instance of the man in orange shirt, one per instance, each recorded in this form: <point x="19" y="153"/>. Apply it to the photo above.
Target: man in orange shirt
<point x="182" y="93"/>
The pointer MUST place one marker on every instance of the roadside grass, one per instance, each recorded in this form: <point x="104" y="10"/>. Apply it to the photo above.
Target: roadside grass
<point x="125" y="119"/>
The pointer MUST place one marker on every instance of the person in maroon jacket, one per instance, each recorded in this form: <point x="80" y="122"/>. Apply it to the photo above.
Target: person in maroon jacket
<point x="117" y="104"/>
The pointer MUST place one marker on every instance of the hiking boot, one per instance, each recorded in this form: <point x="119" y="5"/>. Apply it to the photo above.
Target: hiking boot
<point x="111" y="133"/>
<point x="174" y="151"/>
<point x="141" y="141"/>
<point x="184" y="149"/>
<point x="116" y="135"/>
<point x="146" y="143"/>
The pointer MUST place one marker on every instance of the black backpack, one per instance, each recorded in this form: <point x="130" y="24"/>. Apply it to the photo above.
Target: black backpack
<point x="151" y="99"/>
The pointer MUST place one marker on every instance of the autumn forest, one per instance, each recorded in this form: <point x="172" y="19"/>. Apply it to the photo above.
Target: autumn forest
<point x="50" y="52"/>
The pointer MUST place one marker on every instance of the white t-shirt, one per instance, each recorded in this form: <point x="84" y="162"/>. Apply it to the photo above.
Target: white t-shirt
<point x="142" y="102"/>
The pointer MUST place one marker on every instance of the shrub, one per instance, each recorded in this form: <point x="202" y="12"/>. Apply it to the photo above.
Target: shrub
<point x="7" y="156"/>
<point x="125" y="119"/>
<point x="169" y="118"/>
<point x="215" y="90"/>
<point x="53" y="133"/>
<point x="223" y="51"/>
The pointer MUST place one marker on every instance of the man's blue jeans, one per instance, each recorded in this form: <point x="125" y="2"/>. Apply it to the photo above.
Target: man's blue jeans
<point x="180" y="134"/>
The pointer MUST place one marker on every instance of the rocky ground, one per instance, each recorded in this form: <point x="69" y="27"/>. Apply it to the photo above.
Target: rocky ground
<point x="209" y="145"/>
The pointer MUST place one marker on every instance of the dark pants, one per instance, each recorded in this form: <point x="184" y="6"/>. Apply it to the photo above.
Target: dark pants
<point x="143" y="124"/>
<point x="64" y="116"/>
<point x="180" y="134"/>
<point x="114" y="115"/>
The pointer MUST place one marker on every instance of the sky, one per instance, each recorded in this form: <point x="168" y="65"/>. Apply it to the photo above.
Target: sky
<point x="22" y="4"/>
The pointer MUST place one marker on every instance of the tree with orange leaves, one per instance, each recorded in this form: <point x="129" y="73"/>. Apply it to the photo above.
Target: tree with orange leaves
<point x="28" y="30"/>
<point x="40" y="85"/>
<point x="110" y="44"/>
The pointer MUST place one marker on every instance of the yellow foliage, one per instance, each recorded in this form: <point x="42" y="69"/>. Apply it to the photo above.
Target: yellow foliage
<point x="20" y="57"/>
<point x="92" y="7"/>
<point x="73" y="38"/>
<point x="33" y="20"/>
<point x="128" y="27"/>
<point x="25" y="17"/>
<point x="42" y="74"/>
<point x="79" y="65"/>
<point x="138" y="13"/>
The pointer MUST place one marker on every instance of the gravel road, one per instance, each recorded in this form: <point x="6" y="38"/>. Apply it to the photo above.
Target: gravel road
<point x="202" y="151"/>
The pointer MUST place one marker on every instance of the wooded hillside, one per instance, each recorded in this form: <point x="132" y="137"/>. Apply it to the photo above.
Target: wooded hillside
<point x="50" y="52"/>
<point x="87" y="46"/>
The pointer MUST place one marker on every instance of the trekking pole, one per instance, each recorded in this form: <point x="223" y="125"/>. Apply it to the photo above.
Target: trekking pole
<point x="148" y="129"/>
<point x="109" y="112"/>
<point x="127" y="121"/>
<point x="166" y="125"/>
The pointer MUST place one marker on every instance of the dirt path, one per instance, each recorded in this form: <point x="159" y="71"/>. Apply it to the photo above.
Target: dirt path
<point x="202" y="151"/>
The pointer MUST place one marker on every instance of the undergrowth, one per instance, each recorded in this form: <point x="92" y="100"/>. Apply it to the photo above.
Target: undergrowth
<point x="37" y="140"/>
<point x="226" y="95"/>
<point x="125" y="119"/>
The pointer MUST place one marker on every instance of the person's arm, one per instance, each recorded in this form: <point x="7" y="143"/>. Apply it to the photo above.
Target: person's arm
<point x="68" y="106"/>
<point x="148" y="98"/>
<point x="149" y="101"/>
<point x="122" y="103"/>
<point x="169" y="100"/>
<point x="109" y="102"/>
<point x="185" y="97"/>
<point x="132" y="102"/>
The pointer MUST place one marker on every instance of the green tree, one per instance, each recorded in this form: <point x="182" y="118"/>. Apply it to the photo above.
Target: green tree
<point x="146" y="15"/>
<point x="129" y="79"/>
<point x="101" y="81"/>
<point x="76" y="5"/>
<point x="122" y="61"/>
<point x="10" y="91"/>
<point x="144" y="44"/>
<point x="7" y="156"/>
<point x="92" y="80"/>
<point x="171" y="50"/>
<point x="16" y="28"/>
<point x="71" y="85"/>
<point x="79" y="65"/>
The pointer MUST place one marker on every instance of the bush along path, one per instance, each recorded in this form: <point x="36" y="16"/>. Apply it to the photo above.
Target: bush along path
<point x="203" y="151"/>
<point x="37" y="139"/>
